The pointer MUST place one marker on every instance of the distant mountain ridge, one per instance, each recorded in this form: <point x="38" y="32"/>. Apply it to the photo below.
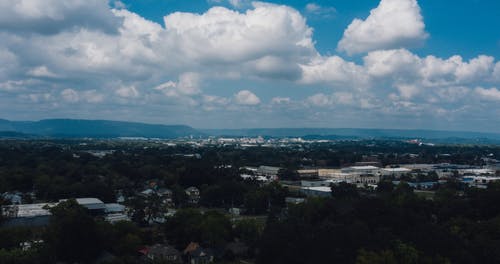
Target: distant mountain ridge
<point x="74" y="128"/>
<point x="80" y="128"/>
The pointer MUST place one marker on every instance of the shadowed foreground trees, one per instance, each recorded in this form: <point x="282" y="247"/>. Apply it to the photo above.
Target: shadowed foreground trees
<point x="72" y="234"/>
<point x="190" y="225"/>
<point x="387" y="227"/>
<point x="383" y="226"/>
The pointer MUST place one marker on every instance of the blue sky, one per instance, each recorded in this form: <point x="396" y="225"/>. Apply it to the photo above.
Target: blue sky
<point x="235" y="63"/>
<point x="462" y="27"/>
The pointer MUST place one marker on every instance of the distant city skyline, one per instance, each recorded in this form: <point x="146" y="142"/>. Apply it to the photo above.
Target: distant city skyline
<point x="401" y="64"/>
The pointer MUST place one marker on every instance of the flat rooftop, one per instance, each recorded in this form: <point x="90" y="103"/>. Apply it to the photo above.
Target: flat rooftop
<point x="28" y="210"/>
<point x="396" y="169"/>
<point x="362" y="168"/>
<point x="318" y="189"/>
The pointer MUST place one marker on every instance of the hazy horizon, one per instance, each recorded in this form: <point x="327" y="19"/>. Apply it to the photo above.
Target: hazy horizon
<point x="263" y="128"/>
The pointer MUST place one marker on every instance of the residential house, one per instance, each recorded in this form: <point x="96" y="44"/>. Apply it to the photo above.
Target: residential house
<point x="13" y="197"/>
<point x="160" y="252"/>
<point x="193" y="195"/>
<point x="166" y="196"/>
<point x="268" y="172"/>
<point x="236" y="249"/>
<point x="196" y="254"/>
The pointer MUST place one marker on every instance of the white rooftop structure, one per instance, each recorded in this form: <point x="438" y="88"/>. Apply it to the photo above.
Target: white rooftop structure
<point x="246" y="176"/>
<point x="249" y="168"/>
<point x="418" y="166"/>
<point x="38" y="214"/>
<point x="114" y="208"/>
<point x="28" y="210"/>
<point x="253" y="177"/>
<point x="363" y="168"/>
<point x="89" y="203"/>
<point x="478" y="180"/>
<point x="113" y="218"/>
<point x="396" y="170"/>
<point x="261" y="178"/>
<point x="147" y="192"/>
<point x="268" y="169"/>
<point x="319" y="189"/>
<point x="478" y="171"/>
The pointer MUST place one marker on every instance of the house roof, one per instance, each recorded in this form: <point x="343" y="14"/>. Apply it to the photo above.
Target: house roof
<point x="147" y="192"/>
<point x="269" y="168"/>
<point x="191" y="247"/>
<point x="164" y="250"/>
<point x="201" y="252"/>
<point x="191" y="189"/>
<point x="112" y="218"/>
<point x="114" y="208"/>
<point x="164" y="191"/>
<point x="237" y="247"/>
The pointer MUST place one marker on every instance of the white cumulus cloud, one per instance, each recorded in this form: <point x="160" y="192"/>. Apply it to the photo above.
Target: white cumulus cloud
<point x="223" y="35"/>
<point x="127" y="92"/>
<point x="70" y="95"/>
<point x="334" y="70"/>
<point x="319" y="99"/>
<point x="393" y="24"/>
<point x="54" y="16"/>
<point x="281" y="100"/>
<point x="245" y="97"/>
<point x="314" y="9"/>
<point x="492" y="94"/>
<point x="41" y="71"/>
<point x="188" y="84"/>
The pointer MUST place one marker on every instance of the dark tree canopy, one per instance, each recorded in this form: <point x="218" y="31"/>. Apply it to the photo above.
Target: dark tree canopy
<point x="72" y="234"/>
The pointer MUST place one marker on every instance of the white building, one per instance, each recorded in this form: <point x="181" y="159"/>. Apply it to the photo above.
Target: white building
<point x="480" y="181"/>
<point x="479" y="172"/>
<point x="308" y="173"/>
<point x="421" y="167"/>
<point x="321" y="191"/>
<point x="394" y="172"/>
<point x="39" y="214"/>
<point x="361" y="170"/>
<point x="324" y="183"/>
<point x="268" y="172"/>
<point x="328" y="173"/>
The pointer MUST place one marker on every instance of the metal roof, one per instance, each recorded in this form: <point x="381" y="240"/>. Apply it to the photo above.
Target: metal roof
<point x="396" y="169"/>
<point x="114" y="208"/>
<point x="318" y="189"/>
<point x="91" y="203"/>
<point x="29" y="210"/>
<point x="363" y="168"/>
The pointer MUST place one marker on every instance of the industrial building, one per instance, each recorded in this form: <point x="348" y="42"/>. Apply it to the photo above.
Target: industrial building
<point x="39" y="214"/>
